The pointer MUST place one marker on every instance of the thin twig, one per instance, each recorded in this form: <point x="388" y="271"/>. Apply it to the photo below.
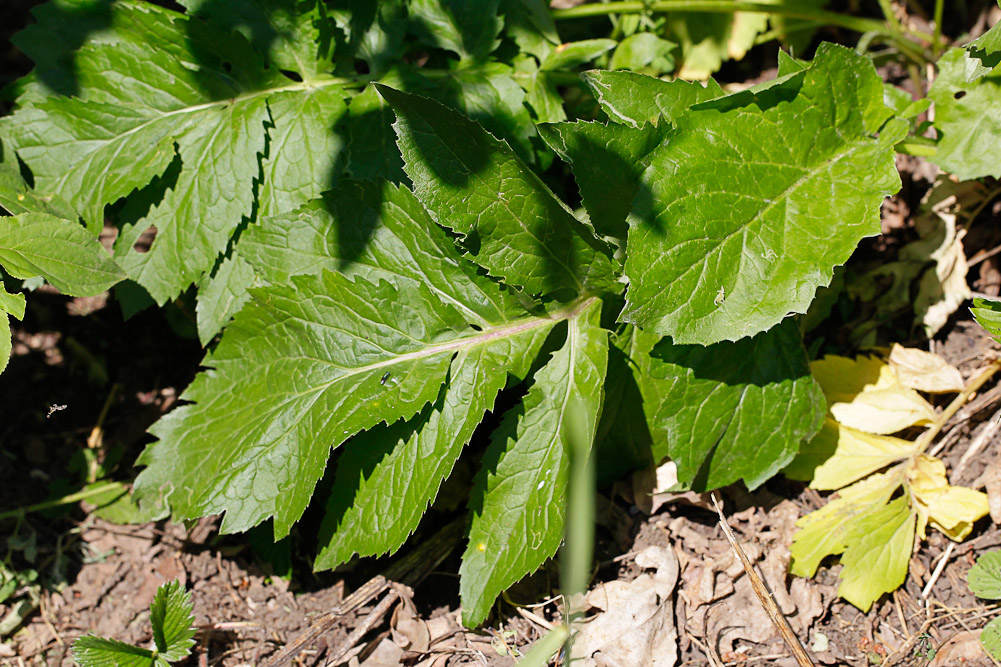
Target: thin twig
<point x="943" y="559"/>
<point x="925" y="438"/>
<point x="766" y="599"/>
<point x="373" y="618"/>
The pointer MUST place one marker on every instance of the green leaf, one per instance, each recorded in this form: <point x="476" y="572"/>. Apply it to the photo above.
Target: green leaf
<point x="636" y="99"/>
<point x="627" y="438"/>
<point x="509" y="221"/>
<point x="467" y="27"/>
<point x="739" y="410"/>
<point x="288" y="32"/>
<point x="91" y="651"/>
<point x="16" y="197"/>
<point x="984" y="578"/>
<point x="990" y="638"/>
<point x="323" y="343"/>
<point x="141" y="105"/>
<point x="370" y="344"/>
<point x="876" y="561"/>
<point x="373" y="31"/>
<point x="983" y="54"/>
<point x="967" y="119"/>
<point x="575" y="54"/>
<point x="642" y="49"/>
<point x="70" y="258"/>
<point x="302" y="154"/>
<point x="372" y="151"/>
<point x="607" y="162"/>
<point x="222" y="295"/>
<point x="796" y="183"/>
<point x="170" y="616"/>
<point x="530" y="25"/>
<point x="117" y="505"/>
<point x="988" y="315"/>
<point x="486" y="93"/>
<point x="10" y="304"/>
<point x="518" y="501"/>
<point x="386" y="478"/>
<point x="707" y="39"/>
<point x="380" y="232"/>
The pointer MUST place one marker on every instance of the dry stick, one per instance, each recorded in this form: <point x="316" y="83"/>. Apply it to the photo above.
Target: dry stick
<point x="976" y="445"/>
<point x="772" y="609"/>
<point x="938" y="570"/>
<point x="373" y="618"/>
<point x="925" y="438"/>
<point x="411" y="569"/>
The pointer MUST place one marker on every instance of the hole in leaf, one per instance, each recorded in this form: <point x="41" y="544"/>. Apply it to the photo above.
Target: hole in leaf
<point x="145" y="240"/>
<point x="960" y="95"/>
<point x="291" y="75"/>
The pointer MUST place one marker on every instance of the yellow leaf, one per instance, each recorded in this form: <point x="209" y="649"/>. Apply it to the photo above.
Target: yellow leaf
<point x="951" y="509"/>
<point x="924" y="371"/>
<point x="830" y="529"/>
<point x="856" y="455"/>
<point x="884" y="407"/>
<point x="876" y="561"/>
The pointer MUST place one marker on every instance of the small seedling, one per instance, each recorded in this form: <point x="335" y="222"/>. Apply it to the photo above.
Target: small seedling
<point x="173" y="635"/>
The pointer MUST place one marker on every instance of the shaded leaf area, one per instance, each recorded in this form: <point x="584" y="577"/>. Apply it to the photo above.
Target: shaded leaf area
<point x="518" y="500"/>
<point x="206" y="122"/>
<point x="509" y="221"/>
<point x="733" y="411"/>
<point x="756" y="197"/>
<point x="967" y="119"/>
<point x="607" y="162"/>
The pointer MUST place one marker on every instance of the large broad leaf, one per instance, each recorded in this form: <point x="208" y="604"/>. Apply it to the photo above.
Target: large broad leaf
<point x="607" y="162"/>
<point x="518" y="502"/>
<point x="387" y="477"/>
<point x="636" y="99"/>
<point x="510" y="222"/>
<point x="63" y="252"/>
<point x="735" y="411"/>
<point x="756" y="197"/>
<point x="967" y="118"/>
<point x="341" y="354"/>
<point x="298" y="372"/>
<point x="156" y="86"/>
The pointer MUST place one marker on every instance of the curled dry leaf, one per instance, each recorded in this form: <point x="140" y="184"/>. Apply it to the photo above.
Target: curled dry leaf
<point x="942" y="287"/>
